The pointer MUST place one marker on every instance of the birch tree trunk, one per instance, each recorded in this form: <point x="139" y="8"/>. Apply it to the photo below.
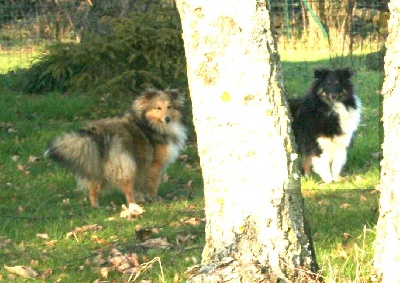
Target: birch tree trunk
<point x="255" y="230"/>
<point x="387" y="244"/>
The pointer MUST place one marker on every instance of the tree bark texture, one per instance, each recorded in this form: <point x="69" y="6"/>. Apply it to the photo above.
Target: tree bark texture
<point x="387" y="244"/>
<point x="255" y="229"/>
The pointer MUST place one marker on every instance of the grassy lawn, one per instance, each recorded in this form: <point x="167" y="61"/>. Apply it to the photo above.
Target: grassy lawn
<point x="39" y="205"/>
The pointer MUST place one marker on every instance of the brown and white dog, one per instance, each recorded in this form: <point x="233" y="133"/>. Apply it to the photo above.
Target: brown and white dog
<point x="129" y="152"/>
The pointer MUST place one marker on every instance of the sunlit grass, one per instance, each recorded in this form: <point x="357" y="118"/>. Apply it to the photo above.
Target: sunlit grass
<point x="12" y="60"/>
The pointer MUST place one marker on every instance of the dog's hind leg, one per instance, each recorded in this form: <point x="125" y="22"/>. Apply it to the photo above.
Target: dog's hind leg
<point x="94" y="188"/>
<point x="306" y="165"/>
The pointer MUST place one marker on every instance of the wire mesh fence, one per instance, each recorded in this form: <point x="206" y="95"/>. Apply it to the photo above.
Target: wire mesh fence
<point x="343" y="30"/>
<point x="340" y="30"/>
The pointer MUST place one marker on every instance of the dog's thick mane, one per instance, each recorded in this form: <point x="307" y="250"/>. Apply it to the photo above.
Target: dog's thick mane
<point x="341" y="77"/>
<point x="157" y="133"/>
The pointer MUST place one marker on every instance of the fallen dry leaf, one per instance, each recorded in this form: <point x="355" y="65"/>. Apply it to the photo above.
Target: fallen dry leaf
<point x="32" y="159"/>
<point x="363" y="198"/>
<point x="124" y="263"/>
<point x="181" y="239"/>
<point x="134" y="210"/>
<point x="51" y="243"/>
<point x="161" y="243"/>
<point x="191" y="259"/>
<point x="98" y="240"/>
<point x="376" y="154"/>
<point x="347" y="235"/>
<point x="79" y="230"/>
<point x="12" y="130"/>
<point x="24" y="271"/>
<point x="143" y="234"/>
<point x="345" y="205"/>
<point x="177" y="278"/>
<point x="183" y="157"/>
<point x="194" y="221"/>
<point x="341" y="252"/>
<point x="34" y="262"/>
<point x="15" y="157"/>
<point x="104" y="272"/>
<point x="42" y="236"/>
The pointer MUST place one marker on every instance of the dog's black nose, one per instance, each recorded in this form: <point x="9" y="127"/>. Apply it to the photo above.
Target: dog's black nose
<point x="167" y="119"/>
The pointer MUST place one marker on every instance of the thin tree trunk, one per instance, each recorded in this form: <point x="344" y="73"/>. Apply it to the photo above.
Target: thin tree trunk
<point x="255" y="227"/>
<point x="387" y="244"/>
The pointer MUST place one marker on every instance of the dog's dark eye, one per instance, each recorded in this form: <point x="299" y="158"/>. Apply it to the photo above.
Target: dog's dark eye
<point x="158" y="108"/>
<point x="169" y="106"/>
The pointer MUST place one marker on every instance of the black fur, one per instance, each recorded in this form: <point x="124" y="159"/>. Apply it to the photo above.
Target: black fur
<point x="314" y="115"/>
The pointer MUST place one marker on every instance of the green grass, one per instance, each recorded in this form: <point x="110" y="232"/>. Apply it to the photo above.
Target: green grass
<point x="37" y="196"/>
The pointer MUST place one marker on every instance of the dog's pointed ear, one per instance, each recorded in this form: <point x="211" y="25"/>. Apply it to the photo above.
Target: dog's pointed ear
<point x="321" y="73"/>
<point x="176" y="97"/>
<point x="346" y="73"/>
<point x="144" y="98"/>
<point x="149" y="94"/>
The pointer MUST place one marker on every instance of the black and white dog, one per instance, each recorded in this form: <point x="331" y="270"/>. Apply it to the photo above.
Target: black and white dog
<point x="324" y="122"/>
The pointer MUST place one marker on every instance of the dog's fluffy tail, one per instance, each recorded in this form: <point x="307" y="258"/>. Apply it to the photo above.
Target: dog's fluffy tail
<point x="79" y="151"/>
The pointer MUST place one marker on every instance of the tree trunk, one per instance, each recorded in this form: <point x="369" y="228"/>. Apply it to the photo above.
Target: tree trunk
<point x="387" y="244"/>
<point x="255" y="228"/>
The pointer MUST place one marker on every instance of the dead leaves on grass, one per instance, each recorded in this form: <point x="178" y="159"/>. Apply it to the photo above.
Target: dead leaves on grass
<point x="110" y="261"/>
<point x="24" y="168"/>
<point x="134" y="210"/>
<point x="24" y="271"/>
<point x="125" y="263"/>
<point x="159" y="243"/>
<point x="80" y="230"/>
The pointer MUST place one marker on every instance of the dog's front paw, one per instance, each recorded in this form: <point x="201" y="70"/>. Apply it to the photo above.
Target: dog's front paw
<point x="327" y="178"/>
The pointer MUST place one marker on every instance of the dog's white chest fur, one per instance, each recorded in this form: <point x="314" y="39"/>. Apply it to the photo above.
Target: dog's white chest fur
<point x="334" y="150"/>
<point x="349" y="118"/>
<point x="177" y="144"/>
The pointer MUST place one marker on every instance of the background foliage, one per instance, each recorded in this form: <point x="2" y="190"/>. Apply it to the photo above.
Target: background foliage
<point x="140" y="51"/>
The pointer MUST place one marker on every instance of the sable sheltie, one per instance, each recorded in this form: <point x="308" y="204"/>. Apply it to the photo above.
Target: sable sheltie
<point x="130" y="152"/>
<point x="324" y="122"/>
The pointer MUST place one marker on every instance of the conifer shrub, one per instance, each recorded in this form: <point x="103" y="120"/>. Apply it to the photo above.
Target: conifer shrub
<point x="140" y="51"/>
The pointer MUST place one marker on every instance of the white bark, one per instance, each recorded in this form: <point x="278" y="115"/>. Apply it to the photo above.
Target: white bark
<point x="254" y="209"/>
<point x="387" y="244"/>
